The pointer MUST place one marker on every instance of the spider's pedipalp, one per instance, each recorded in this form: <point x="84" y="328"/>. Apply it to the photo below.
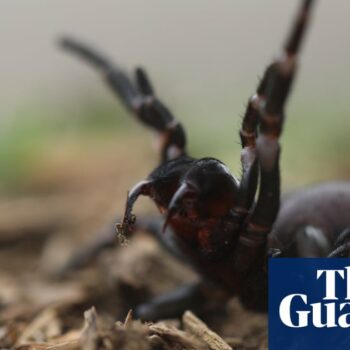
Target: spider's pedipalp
<point x="139" y="99"/>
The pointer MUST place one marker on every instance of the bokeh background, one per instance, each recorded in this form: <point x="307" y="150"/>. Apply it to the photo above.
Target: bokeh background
<point x="69" y="151"/>
<point x="204" y="57"/>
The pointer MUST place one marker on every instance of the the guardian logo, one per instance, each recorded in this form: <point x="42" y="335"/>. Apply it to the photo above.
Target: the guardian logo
<point x="309" y="304"/>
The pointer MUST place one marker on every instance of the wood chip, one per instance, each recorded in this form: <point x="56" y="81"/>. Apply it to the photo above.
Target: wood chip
<point x="176" y="339"/>
<point x="45" y="326"/>
<point x="200" y="330"/>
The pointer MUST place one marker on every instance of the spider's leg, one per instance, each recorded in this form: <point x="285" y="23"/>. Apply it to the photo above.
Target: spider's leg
<point x="343" y="238"/>
<point x="139" y="98"/>
<point x="248" y="132"/>
<point x="248" y="135"/>
<point x="106" y="239"/>
<point x="154" y="227"/>
<point x="341" y="252"/>
<point x="197" y="297"/>
<point x="342" y="245"/>
<point x="87" y="252"/>
<point x="252" y="241"/>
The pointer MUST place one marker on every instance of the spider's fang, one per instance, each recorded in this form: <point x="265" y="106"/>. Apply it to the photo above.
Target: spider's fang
<point x="124" y="228"/>
<point x="176" y="201"/>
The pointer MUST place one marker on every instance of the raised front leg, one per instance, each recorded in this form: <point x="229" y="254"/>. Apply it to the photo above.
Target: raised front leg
<point x="139" y="98"/>
<point x="249" y="161"/>
<point x="279" y="78"/>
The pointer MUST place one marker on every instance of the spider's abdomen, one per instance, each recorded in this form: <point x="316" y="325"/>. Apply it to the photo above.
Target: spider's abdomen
<point x="324" y="207"/>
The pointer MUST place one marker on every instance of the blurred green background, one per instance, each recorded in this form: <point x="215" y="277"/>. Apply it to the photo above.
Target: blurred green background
<point x="59" y="122"/>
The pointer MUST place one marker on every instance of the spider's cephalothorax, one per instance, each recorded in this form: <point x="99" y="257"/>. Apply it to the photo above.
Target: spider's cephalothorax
<point x="211" y="219"/>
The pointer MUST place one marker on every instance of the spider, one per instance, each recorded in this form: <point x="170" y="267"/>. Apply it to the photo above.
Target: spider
<point x="225" y="228"/>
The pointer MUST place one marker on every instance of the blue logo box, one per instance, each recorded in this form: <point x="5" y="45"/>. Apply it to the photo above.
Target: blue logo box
<point x="309" y="304"/>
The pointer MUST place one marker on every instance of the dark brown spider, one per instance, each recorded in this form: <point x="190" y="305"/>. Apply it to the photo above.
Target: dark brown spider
<point x="212" y="220"/>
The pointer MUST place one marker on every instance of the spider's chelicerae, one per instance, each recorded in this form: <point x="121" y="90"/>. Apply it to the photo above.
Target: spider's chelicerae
<point x="211" y="220"/>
